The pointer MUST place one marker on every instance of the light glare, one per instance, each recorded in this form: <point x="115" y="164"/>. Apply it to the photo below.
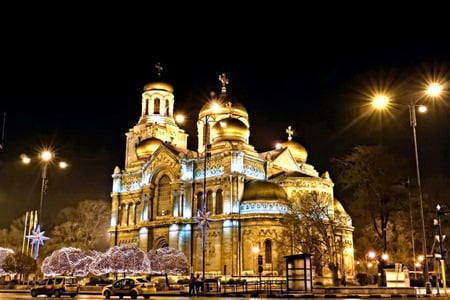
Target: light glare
<point x="46" y="155"/>
<point x="434" y="89"/>
<point x="380" y="101"/>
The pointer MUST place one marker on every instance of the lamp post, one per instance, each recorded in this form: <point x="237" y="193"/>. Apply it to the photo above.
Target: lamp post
<point x="207" y="154"/>
<point x="46" y="158"/>
<point x="413" y="123"/>
<point x="433" y="89"/>
<point x="203" y="216"/>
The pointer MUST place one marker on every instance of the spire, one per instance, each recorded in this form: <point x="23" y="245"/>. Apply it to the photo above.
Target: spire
<point x="224" y="80"/>
<point x="158" y="68"/>
<point x="290" y="132"/>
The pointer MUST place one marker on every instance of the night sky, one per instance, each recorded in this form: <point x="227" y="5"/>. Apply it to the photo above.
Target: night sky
<point x="75" y="83"/>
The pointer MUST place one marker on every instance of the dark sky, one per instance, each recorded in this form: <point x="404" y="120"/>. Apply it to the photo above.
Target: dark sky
<point x="74" y="81"/>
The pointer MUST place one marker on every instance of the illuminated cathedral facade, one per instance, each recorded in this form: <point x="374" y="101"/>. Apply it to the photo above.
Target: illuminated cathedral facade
<point x="159" y="196"/>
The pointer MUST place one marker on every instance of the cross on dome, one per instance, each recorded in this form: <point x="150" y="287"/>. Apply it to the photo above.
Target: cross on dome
<point x="158" y="68"/>
<point x="224" y="80"/>
<point x="290" y="132"/>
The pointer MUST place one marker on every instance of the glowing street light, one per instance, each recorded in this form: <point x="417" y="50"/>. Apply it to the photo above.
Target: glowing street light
<point x="380" y="102"/>
<point x="45" y="158"/>
<point x="433" y="90"/>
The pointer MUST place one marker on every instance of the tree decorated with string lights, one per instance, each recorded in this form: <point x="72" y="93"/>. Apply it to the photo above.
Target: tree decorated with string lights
<point x="69" y="261"/>
<point x="168" y="261"/>
<point x="4" y="253"/>
<point x="122" y="259"/>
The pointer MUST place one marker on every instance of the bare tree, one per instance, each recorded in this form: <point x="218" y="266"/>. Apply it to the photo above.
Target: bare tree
<point x="313" y="227"/>
<point x="372" y="176"/>
<point x="84" y="226"/>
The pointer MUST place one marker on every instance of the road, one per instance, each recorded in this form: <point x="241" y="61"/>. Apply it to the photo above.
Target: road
<point x="21" y="296"/>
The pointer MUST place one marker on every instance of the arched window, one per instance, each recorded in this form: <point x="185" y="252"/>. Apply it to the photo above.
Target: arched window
<point x="157" y="105"/>
<point x="163" y="202"/>
<point x="268" y="251"/>
<point x="199" y="200"/>
<point x="209" y="201"/>
<point x="219" y="202"/>
<point x="167" y="110"/>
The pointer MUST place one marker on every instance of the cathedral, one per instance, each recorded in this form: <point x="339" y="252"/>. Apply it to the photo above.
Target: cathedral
<point x="221" y="204"/>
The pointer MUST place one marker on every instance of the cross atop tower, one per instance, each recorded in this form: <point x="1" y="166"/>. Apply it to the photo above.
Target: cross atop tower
<point x="223" y="78"/>
<point x="158" y="68"/>
<point x="290" y="132"/>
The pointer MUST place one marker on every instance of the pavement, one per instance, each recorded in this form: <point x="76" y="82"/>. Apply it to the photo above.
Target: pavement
<point x="420" y="292"/>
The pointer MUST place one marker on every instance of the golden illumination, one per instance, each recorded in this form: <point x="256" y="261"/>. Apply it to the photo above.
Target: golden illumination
<point x="162" y="86"/>
<point x="255" y="249"/>
<point x="25" y="159"/>
<point x="434" y="89"/>
<point x="63" y="164"/>
<point x="380" y="101"/>
<point x="422" y="109"/>
<point x="46" y="155"/>
<point x="179" y="118"/>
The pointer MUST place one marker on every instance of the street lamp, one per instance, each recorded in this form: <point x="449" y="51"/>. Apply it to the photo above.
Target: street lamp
<point x="203" y="216"/>
<point x="433" y="90"/>
<point x="46" y="158"/>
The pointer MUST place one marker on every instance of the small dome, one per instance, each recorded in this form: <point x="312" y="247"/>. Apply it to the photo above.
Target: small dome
<point x="229" y="129"/>
<point x="263" y="190"/>
<point x="147" y="147"/>
<point x="232" y="108"/>
<point x="298" y="151"/>
<point x="161" y="86"/>
<point x="339" y="208"/>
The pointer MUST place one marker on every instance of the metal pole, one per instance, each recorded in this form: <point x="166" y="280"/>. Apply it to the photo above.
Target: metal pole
<point x="206" y="139"/>
<point x="413" y="123"/>
<point x="412" y="228"/>
<point x="43" y="190"/>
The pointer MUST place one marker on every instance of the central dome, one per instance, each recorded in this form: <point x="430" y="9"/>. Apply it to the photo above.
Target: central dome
<point x="263" y="190"/>
<point x="232" y="108"/>
<point x="229" y="129"/>
<point x="147" y="147"/>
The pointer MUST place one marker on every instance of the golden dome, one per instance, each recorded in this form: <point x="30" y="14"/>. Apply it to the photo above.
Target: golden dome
<point x="298" y="151"/>
<point x="339" y="208"/>
<point x="161" y="86"/>
<point x="229" y="129"/>
<point x="237" y="109"/>
<point x="263" y="190"/>
<point x="147" y="147"/>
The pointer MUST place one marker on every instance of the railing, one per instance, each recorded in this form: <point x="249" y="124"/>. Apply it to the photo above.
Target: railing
<point x="264" y="286"/>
